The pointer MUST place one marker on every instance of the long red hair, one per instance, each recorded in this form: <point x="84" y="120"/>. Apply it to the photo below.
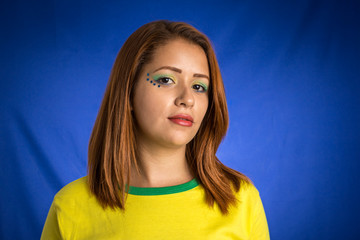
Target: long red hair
<point x="112" y="146"/>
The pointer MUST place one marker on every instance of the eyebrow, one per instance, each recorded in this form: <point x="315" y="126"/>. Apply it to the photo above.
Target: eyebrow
<point x="179" y="71"/>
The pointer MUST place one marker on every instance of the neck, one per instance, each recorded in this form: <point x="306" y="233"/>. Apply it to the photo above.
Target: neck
<point x="160" y="167"/>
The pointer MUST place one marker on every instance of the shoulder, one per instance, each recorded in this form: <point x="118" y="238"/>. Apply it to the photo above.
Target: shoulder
<point x="247" y="190"/>
<point x="75" y="191"/>
<point x="251" y="204"/>
<point x="248" y="195"/>
<point x="65" y="211"/>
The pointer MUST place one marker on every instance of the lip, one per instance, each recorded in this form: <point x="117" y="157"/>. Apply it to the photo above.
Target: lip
<point x="184" y="116"/>
<point x="182" y="119"/>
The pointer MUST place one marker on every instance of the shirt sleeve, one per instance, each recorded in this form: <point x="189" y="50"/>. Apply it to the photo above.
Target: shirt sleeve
<point x="52" y="227"/>
<point x="259" y="226"/>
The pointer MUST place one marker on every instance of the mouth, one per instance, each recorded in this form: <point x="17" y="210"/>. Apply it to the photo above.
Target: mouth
<point x="184" y="117"/>
<point x="182" y="120"/>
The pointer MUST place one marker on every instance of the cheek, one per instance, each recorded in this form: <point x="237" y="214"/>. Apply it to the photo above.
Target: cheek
<point x="143" y="106"/>
<point x="149" y="104"/>
<point x="203" y="107"/>
<point x="148" y="97"/>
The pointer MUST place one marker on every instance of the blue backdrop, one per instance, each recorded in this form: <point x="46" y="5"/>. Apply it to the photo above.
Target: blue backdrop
<point x="291" y="71"/>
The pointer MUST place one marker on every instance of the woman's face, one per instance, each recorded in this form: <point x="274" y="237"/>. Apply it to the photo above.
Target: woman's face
<point x="170" y="96"/>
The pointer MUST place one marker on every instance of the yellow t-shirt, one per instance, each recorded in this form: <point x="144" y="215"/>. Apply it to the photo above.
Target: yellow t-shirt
<point x="175" y="212"/>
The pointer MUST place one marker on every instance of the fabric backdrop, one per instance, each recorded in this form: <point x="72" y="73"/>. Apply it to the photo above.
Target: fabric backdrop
<point x="291" y="73"/>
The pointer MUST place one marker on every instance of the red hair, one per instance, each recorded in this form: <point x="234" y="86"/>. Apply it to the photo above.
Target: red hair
<point x="112" y="146"/>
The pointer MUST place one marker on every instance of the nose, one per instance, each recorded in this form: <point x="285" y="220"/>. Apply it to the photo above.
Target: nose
<point x="185" y="98"/>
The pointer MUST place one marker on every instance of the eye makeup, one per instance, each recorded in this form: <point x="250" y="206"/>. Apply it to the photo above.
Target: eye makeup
<point x="201" y="84"/>
<point x="157" y="80"/>
<point x="150" y="81"/>
<point x="158" y="77"/>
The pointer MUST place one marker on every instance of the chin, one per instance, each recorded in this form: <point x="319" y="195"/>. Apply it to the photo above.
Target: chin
<point x="178" y="142"/>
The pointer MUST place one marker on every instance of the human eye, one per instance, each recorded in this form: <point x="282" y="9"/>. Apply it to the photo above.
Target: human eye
<point x="200" y="87"/>
<point x="164" y="79"/>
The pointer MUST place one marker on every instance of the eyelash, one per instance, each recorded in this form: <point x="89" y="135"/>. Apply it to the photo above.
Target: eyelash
<point x="204" y="89"/>
<point x="159" y="81"/>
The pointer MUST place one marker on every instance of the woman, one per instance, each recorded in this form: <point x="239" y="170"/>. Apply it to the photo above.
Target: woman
<point x="152" y="170"/>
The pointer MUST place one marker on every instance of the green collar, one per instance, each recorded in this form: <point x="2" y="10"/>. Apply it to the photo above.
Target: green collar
<point x="163" y="190"/>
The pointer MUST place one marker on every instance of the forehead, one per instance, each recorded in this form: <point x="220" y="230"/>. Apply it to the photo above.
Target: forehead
<point x="181" y="54"/>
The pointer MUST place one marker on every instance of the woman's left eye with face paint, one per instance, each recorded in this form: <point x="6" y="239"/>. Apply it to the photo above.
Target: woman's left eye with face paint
<point x="164" y="80"/>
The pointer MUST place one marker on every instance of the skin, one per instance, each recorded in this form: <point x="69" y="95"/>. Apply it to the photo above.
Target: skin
<point x="162" y="142"/>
